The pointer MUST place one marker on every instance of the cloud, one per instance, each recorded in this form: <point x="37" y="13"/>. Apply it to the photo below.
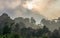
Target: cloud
<point x="9" y="3"/>
<point x="53" y="9"/>
<point x="14" y="8"/>
<point x="49" y="8"/>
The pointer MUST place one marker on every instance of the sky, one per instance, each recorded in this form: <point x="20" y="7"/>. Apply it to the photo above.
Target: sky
<point x="49" y="9"/>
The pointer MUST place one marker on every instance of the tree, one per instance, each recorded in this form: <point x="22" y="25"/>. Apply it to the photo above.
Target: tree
<point x="16" y="29"/>
<point x="39" y="32"/>
<point x="26" y="20"/>
<point x="45" y="29"/>
<point x="55" y="34"/>
<point x="6" y="29"/>
<point x="15" y="36"/>
<point x="33" y="20"/>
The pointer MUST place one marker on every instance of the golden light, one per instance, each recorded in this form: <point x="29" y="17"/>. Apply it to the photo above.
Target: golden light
<point x="33" y="4"/>
<point x="44" y="7"/>
<point x="29" y="5"/>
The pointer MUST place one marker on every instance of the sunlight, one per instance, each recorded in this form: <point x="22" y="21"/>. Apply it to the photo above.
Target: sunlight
<point x="30" y="5"/>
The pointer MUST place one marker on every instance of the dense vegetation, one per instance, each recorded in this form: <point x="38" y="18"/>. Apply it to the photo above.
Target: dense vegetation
<point x="17" y="29"/>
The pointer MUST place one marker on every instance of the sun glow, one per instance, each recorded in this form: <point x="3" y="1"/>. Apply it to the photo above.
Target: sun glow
<point x="30" y="5"/>
<point x="46" y="8"/>
<point x="33" y="4"/>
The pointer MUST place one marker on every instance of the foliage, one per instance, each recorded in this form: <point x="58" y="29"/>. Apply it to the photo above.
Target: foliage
<point x="18" y="30"/>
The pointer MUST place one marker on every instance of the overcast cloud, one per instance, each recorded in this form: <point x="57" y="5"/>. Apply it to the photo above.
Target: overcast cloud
<point x="15" y="9"/>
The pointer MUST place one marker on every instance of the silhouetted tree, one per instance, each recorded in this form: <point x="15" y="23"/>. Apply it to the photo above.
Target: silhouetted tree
<point x="33" y="20"/>
<point x="6" y="29"/>
<point x="16" y="29"/>
<point x="26" y="20"/>
<point x="45" y="29"/>
<point x="39" y="33"/>
<point x="55" y="34"/>
<point x="15" y="36"/>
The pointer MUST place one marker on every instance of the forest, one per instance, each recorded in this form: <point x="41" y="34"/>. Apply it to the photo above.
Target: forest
<point x="27" y="28"/>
